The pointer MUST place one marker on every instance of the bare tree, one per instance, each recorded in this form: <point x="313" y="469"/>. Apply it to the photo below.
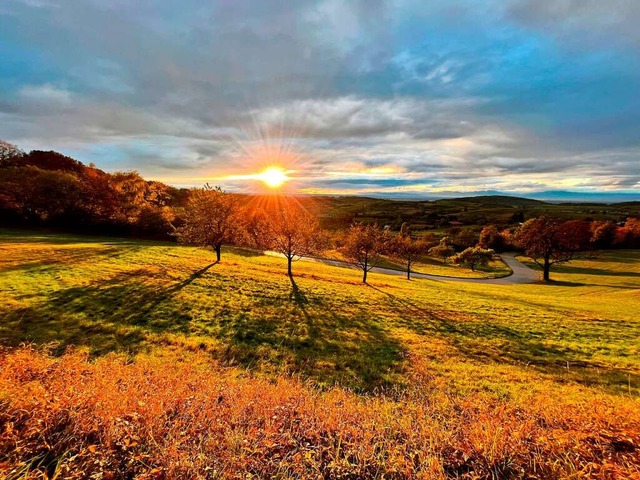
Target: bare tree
<point x="364" y="245"/>
<point x="211" y="218"/>
<point x="294" y="233"/>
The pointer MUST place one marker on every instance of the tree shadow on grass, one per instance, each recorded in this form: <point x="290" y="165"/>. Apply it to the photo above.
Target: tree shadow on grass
<point x="564" y="283"/>
<point x="493" y="343"/>
<point x="71" y="256"/>
<point x="297" y="332"/>
<point x="303" y="334"/>
<point x="573" y="269"/>
<point x="246" y="252"/>
<point x="298" y="297"/>
<point x="110" y="315"/>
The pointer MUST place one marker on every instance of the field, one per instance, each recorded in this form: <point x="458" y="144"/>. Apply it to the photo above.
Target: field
<point x="435" y="215"/>
<point x="396" y="378"/>
<point x="496" y="268"/>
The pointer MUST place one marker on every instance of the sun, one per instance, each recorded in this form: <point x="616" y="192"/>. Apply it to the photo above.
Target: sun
<point x="273" y="177"/>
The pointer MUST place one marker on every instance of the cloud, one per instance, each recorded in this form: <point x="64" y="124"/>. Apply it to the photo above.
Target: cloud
<point x="365" y="117"/>
<point x="582" y="23"/>
<point x="402" y="96"/>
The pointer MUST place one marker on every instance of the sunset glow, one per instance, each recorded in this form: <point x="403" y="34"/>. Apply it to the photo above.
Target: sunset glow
<point x="273" y="177"/>
<point x="437" y="112"/>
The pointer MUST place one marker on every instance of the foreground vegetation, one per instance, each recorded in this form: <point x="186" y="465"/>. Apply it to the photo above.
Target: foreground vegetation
<point x="156" y="419"/>
<point x="190" y="364"/>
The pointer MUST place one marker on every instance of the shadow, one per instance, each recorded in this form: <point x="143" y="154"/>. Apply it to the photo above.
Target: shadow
<point x="297" y="295"/>
<point x="188" y="281"/>
<point x="278" y="327"/>
<point x="303" y="334"/>
<point x="68" y="257"/>
<point x="494" y="343"/>
<point x="617" y="256"/>
<point x="9" y="236"/>
<point x="246" y="252"/>
<point x="564" y="283"/>
<point x="569" y="269"/>
<point x="116" y="314"/>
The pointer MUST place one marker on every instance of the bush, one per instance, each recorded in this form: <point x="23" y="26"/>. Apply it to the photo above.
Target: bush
<point x="474" y="257"/>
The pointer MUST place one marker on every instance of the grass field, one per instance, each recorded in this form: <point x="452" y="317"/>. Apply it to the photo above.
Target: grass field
<point x="571" y="346"/>
<point x="496" y="268"/>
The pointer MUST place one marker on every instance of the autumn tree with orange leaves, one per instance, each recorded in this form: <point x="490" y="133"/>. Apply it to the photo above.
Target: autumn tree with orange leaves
<point x="211" y="219"/>
<point x="364" y="245"/>
<point x="294" y="233"/>
<point x="549" y="242"/>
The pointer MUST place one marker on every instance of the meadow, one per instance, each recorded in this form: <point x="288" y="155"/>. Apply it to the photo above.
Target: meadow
<point x="394" y="379"/>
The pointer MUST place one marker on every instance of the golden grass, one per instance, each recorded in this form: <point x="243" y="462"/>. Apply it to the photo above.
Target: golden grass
<point x="185" y="418"/>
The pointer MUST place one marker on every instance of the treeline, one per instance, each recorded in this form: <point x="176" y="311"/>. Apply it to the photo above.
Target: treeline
<point x="48" y="189"/>
<point x="213" y="218"/>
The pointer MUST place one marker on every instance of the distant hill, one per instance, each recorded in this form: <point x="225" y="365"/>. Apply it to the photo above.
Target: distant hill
<point x="493" y="200"/>
<point x="46" y="188"/>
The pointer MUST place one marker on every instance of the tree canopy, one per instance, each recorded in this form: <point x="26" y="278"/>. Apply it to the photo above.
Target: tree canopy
<point x="211" y="218"/>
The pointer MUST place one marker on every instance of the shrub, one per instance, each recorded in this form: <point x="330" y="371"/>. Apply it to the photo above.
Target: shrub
<point x="474" y="257"/>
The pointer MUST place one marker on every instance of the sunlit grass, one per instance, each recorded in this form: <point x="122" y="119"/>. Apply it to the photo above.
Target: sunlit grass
<point x="490" y="379"/>
<point x="145" y="297"/>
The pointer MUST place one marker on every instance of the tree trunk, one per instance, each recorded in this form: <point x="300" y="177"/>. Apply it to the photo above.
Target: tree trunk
<point x="546" y="269"/>
<point x="218" y="248"/>
<point x="289" y="271"/>
<point x="408" y="271"/>
<point x="365" y="269"/>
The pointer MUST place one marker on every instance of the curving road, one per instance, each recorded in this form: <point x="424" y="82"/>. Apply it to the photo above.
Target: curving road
<point x="521" y="273"/>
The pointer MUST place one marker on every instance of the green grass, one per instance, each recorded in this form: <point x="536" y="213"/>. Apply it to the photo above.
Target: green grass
<point x="153" y="298"/>
<point x="434" y="266"/>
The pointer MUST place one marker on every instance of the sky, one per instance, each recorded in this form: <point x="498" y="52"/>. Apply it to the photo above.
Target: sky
<point x="407" y="98"/>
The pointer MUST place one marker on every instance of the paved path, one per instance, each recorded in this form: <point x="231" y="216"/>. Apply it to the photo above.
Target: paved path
<point x="521" y="273"/>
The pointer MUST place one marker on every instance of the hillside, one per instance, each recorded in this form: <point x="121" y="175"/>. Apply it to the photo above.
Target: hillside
<point x="440" y="351"/>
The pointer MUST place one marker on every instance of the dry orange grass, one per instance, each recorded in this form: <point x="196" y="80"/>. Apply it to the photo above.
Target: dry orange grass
<point x="156" y="418"/>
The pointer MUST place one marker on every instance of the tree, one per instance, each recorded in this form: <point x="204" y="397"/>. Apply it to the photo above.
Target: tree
<point x="474" y="257"/>
<point x="39" y="196"/>
<point x="294" y="233"/>
<point x="443" y="250"/>
<point x="364" y="245"/>
<point x="547" y="242"/>
<point x="211" y="219"/>
<point x="256" y="228"/>
<point x="491" y="237"/>
<point x="463" y="238"/>
<point x="632" y="225"/>
<point x="129" y="189"/>
<point x="407" y="249"/>
<point x="9" y="153"/>
<point x="603" y="234"/>
<point x="578" y="232"/>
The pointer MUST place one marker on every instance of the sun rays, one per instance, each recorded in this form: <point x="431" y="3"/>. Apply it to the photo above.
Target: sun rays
<point x="273" y="177"/>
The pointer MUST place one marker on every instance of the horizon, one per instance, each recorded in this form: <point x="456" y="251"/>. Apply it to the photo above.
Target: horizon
<point x="399" y="101"/>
